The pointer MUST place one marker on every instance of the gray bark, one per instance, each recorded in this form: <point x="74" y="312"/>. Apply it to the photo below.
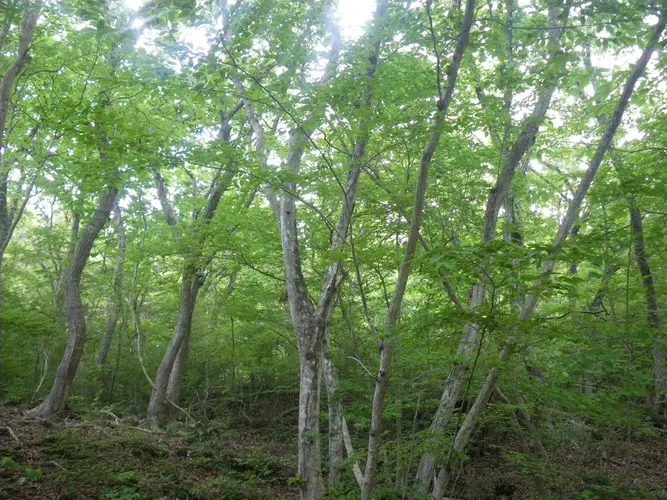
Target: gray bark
<point x="157" y="406"/>
<point x="336" y="440"/>
<point x="76" y="321"/>
<point x="499" y="193"/>
<point x="564" y="230"/>
<point x="167" y="385"/>
<point x="393" y="314"/>
<point x="117" y="304"/>
<point x="331" y="283"/>
<point x="311" y="324"/>
<point x="653" y="314"/>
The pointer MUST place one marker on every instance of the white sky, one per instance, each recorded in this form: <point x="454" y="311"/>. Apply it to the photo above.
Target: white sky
<point x="352" y="15"/>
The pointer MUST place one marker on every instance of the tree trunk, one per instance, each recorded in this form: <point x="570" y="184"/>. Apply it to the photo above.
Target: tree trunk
<point x="564" y="230"/>
<point x="653" y="316"/>
<point x="73" y="306"/>
<point x="468" y="344"/>
<point x="157" y="406"/>
<point x="312" y="487"/>
<point x="178" y="370"/>
<point x="167" y="386"/>
<point x="393" y="314"/>
<point x="9" y="218"/>
<point x="336" y="441"/>
<point x="117" y="305"/>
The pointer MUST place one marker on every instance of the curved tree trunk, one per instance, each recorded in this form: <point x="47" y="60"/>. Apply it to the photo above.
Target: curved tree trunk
<point x="177" y="371"/>
<point x="468" y="343"/>
<point x="74" y="313"/>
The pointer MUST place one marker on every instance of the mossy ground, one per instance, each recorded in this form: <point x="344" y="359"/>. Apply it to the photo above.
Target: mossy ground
<point x="99" y="455"/>
<point x="115" y="459"/>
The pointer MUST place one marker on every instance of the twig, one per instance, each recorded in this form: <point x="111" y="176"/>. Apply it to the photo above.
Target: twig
<point x="140" y="429"/>
<point x="362" y="365"/>
<point x="58" y="465"/>
<point x="8" y="430"/>
<point x="107" y="412"/>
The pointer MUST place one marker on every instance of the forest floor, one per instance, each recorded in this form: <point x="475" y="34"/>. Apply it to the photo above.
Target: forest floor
<point x="102" y="456"/>
<point x="121" y="458"/>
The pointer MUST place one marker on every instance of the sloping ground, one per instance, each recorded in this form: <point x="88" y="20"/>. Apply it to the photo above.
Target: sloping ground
<point x="618" y="470"/>
<point x="119" y="459"/>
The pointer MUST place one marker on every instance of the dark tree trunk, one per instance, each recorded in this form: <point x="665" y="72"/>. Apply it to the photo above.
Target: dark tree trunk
<point x="653" y="315"/>
<point x="158" y="404"/>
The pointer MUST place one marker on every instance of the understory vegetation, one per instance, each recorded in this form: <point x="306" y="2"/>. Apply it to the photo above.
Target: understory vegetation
<point x="383" y="249"/>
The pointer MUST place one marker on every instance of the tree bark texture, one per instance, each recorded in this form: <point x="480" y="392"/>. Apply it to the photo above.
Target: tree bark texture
<point x="157" y="406"/>
<point x="653" y="314"/>
<point x="117" y="298"/>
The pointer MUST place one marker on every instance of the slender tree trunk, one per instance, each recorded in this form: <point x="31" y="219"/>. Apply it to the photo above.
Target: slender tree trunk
<point x="114" y="376"/>
<point x="9" y="217"/>
<point x="74" y="313"/>
<point x="331" y="285"/>
<point x="167" y="386"/>
<point x="653" y="315"/>
<point x="393" y="314"/>
<point x="468" y="344"/>
<point x="117" y="304"/>
<point x="564" y="230"/>
<point x="157" y="406"/>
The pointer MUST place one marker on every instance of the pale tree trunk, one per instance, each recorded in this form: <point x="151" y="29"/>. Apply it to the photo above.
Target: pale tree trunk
<point x="309" y="341"/>
<point x="311" y="325"/>
<point x="653" y="314"/>
<point x="498" y="195"/>
<point x="117" y="305"/>
<point x="157" y="406"/>
<point x="468" y="343"/>
<point x="564" y="230"/>
<point x="10" y="213"/>
<point x="336" y="415"/>
<point x="393" y="314"/>
<point x="167" y="385"/>
<point x="74" y="313"/>
<point x="331" y="283"/>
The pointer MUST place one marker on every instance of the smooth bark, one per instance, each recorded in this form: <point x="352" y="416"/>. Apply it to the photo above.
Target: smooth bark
<point x="564" y="230"/>
<point x="117" y="298"/>
<point x="73" y="306"/>
<point x="157" y="406"/>
<point x="652" y="310"/>
<point x="469" y="340"/>
<point x="167" y="385"/>
<point x="393" y="314"/>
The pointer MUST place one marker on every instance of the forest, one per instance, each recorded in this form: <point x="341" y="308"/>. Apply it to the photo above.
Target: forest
<point x="333" y="249"/>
